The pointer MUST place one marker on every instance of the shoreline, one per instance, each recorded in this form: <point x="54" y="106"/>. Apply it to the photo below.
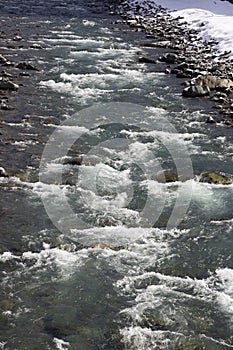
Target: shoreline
<point x="202" y="71"/>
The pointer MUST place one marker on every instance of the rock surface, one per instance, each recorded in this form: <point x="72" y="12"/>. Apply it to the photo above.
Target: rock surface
<point x="196" y="91"/>
<point x="8" y="85"/>
<point x="216" y="178"/>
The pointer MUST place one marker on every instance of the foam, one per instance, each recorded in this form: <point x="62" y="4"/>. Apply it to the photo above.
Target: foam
<point x="225" y="298"/>
<point x="61" y="344"/>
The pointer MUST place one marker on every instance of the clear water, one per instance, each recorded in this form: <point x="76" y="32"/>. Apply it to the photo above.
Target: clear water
<point x="167" y="282"/>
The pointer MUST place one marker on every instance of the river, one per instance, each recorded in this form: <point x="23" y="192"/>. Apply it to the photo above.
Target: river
<point x="92" y="132"/>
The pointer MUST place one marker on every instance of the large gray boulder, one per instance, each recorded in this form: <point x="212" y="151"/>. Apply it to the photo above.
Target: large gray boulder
<point x="213" y="82"/>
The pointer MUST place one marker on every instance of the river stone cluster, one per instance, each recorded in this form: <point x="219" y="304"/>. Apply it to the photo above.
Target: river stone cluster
<point x="11" y="73"/>
<point x="209" y="73"/>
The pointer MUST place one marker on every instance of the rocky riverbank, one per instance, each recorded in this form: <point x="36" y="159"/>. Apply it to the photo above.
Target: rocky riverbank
<point x="203" y="72"/>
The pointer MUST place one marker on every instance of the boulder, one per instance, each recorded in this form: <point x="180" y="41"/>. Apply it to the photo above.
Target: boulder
<point x="216" y="178"/>
<point x="170" y="58"/>
<point x="213" y="82"/>
<point x="196" y="91"/>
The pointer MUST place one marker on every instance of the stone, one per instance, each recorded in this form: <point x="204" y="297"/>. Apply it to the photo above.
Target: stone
<point x="196" y="91"/>
<point x="6" y="74"/>
<point x="182" y="66"/>
<point x="170" y="58"/>
<point x="171" y="176"/>
<point x="3" y="172"/>
<point x="36" y="46"/>
<point x="8" y="85"/>
<point x="210" y="120"/>
<point x="26" y="65"/>
<point x="6" y="107"/>
<point x="3" y="59"/>
<point x="144" y="59"/>
<point x="213" y="82"/>
<point x="17" y="38"/>
<point x="216" y="178"/>
<point x="102" y="245"/>
<point x="167" y="71"/>
<point x="7" y="304"/>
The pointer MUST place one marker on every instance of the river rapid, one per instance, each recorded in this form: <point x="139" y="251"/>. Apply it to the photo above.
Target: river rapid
<point x="98" y="250"/>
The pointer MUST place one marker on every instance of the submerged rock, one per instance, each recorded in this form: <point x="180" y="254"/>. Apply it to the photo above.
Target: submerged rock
<point x="171" y="176"/>
<point x="25" y="65"/>
<point x="216" y="178"/>
<point x="6" y="107"/>
<point x="102" y="245"/>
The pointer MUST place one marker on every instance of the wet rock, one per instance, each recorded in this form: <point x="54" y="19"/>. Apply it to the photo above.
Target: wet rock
<point x="51" y="120"/>
<point x="26" y="66"/>
<point x="17" y="38"/>
<point x="3" y="59"/>
<point x="102" y="245"/>
<point x="8" y="85"/>
<point x="21" y="176"/>
<point x="210" y="120"/>
<point x="216" y="178"/>
<point x="6" y="107"/>
<point x="182" y="66"/>
<point x="3" y="172"/>
<point x="171" y="176"/>
<point x="24" y="74"/>
<point x="36" y="46"/>
<point x="6" y="74"/>
<point x="6" y="305"/>
<point x="170" y="58"/>
<point x="196" y="91"/>
<point x="167" y="71"/>
<point x="144" y="59"/>
<point x="73" y="161"/>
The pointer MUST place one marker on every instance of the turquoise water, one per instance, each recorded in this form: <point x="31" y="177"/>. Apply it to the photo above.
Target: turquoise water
<point x="96" y="182"/>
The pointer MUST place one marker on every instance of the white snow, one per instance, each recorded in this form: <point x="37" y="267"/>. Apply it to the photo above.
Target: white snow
<point x="217" y="15"/>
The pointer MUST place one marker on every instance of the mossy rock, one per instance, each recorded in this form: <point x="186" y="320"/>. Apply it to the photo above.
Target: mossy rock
<point x="216" y="178"/>
<point x="171" y="176"/>
<point x="7" y="305"/>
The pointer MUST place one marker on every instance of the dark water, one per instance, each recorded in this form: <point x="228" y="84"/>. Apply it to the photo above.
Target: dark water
<point x="168" y="281"/>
